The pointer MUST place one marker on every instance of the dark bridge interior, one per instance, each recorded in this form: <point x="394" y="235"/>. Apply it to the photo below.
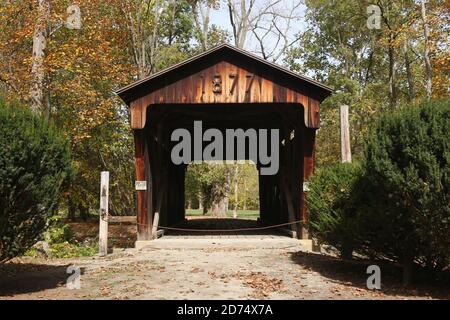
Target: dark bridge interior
<point x="280" y="194"/>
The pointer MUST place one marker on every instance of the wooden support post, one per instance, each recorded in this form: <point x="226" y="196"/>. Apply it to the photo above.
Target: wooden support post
<point x="104" y="198"/>
<point x="309" y="138"/>
<point x="262" y="197"/>
<point x="155" y="226"/>
<point x="290" y="206"/>
<point x="286" y="177"/>
<point x="346" y="153"/>
<point x="144" y="223"/>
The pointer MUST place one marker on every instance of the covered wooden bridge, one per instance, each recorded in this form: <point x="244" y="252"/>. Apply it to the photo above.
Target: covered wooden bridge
<point x="224" y="88"/>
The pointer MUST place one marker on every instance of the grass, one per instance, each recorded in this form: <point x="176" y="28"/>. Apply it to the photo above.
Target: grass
<point x="65" y="250"/>
<point x="241" y="214"/>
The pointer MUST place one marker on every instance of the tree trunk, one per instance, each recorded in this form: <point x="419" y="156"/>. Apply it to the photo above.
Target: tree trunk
<point x="408" y="266"/>
<point x="244" y="206"/>
<point x="392" y="75"/>
<point x="37" y="85"/>
<point x="411" y="93"/>
<point x="71" y="209"/>
<point x="239" y="16"/>
<point x="203" y="203"/>
<point x="227" y="191"/>
<point x="220" y="197"/>
<point x="200" y="201"/>
<point x="223" y="207"/>
<point x="426" y="53"/>
<point x="202" y="11"/>
<point x="219" y="207"/>
<point x="143" y="36"/>
<point x="84" y="212"/>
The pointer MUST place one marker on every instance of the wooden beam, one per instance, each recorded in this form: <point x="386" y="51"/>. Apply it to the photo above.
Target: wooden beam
<point x="309" y="137"/>
<point x="290" y="206"/>
<point x="104" y="199"/>
<point x="144" y="223"/>
<point x="346" y="153"/>
<point x="155" y="225"/>
<point x="138" y="112"/>
<point x="288" y="179"/>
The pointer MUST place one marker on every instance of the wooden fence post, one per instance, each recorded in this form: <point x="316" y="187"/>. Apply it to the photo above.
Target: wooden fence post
<point x="155" y="225"/>
<point x="104" y="198"/>
<point x="346" y="153"/>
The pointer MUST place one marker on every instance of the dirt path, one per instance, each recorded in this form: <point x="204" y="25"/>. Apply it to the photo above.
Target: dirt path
<point x="202" y="268"/>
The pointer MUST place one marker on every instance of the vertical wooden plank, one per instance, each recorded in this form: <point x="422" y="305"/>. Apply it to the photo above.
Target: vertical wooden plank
<point x="198" y="88"/>
<point x="227" y="82"/>
<point x="219" y="73"/>
<point x="282" y="94"/>
<point x="290" y="96"/>
<point x="242" y="82"/>
<point x="136" y="116"/>
<point x="235" y="84"/>
<point x="182" y="87"/>
<point x="159" y="96"/>
<point x="346" y="153"/>
<point x="262" y="197"/>
<point x="209" y="76"/>
<point x="104" y="199"/>
<point x="143" y="221"/>
<point x="312" y="117"/>
<point x="256" y="89"/>
<point x="308" y="119"/>
<point x="288" y="176"/>
<point x="267" y="91"/>
<point x="138" y="110"/>
<point x="275" y="93"/>
<point x="190" y="89"/>
<point x="289" y="203"/>
<point x="155" y="225"/>
<point x="309" y="138"/>
<point x="179" y="87"/>
<point x="303" y="100"/>
<point x="166" y="90"/>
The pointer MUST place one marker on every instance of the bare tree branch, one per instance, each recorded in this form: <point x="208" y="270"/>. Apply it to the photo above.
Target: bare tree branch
<point x="271" y="27"/>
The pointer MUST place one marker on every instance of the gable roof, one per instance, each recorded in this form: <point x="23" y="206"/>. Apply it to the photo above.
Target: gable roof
<point x="141" y="87"/>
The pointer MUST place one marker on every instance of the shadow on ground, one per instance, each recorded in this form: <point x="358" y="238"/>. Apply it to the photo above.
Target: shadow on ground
<point x="21" y="278"/>
<point x="353" y="273"/>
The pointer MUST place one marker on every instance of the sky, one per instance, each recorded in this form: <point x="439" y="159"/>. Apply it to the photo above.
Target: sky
<point x="220" y="17"/>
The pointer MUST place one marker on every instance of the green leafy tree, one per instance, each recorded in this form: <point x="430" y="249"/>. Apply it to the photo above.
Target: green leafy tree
<point x="35" y="168"/>
<point x="211" y="187"/>
<point x="371" y="70"/>
<point x="332" y="212"/>
<point x="406" y="192"/>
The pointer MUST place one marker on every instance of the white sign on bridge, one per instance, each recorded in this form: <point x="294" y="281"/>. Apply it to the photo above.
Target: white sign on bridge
<point x="140" y="185"/>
